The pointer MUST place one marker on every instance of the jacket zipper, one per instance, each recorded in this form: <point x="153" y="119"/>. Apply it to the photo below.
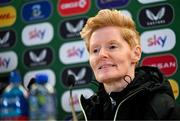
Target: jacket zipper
<point x="115" y="116"/>
<point x="82" y="109"/>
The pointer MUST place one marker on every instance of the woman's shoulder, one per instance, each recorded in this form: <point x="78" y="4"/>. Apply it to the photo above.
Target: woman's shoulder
<point x="163" y="105"/>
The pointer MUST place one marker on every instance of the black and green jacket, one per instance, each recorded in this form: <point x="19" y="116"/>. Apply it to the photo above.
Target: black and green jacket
<point x="149" y="96"/>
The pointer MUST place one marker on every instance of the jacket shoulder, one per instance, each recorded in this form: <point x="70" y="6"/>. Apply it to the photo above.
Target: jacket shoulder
<point x="162" y="105"/>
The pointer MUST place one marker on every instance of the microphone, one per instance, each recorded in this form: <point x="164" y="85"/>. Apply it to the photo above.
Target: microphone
<point x="31" y="82"/>
<point x="71" y="83"/>
<point x="71" y="80"/>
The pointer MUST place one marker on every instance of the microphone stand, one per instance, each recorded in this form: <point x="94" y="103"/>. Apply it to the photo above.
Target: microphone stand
<point x="72" y="105"/>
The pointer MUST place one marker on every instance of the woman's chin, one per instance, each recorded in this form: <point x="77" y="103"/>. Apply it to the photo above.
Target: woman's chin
<point x="105" y="79"/>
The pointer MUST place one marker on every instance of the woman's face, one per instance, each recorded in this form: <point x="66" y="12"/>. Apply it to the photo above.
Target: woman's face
<point x="110" y="56"/>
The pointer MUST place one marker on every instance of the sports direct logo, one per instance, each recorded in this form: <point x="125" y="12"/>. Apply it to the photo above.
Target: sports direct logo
<point x="73" y="7"/>
<point x="167" y="63"/>
<point x="36" y="11"/>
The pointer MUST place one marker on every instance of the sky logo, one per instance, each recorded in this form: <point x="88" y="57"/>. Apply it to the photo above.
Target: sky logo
<point x="160" y="40"/>
<point x="73" y="52"/>
<point x="157" y="41"/>
<point x="4" y="62"/>
<point x="36" y="11"/>
<point x="37" y="34"/>
<point x="8" y="61"/>
<point x="102" y="4"/>
<point x="65" y="99"/>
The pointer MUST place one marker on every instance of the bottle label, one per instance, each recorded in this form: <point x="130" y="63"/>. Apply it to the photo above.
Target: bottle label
<point x="13" y="107"/>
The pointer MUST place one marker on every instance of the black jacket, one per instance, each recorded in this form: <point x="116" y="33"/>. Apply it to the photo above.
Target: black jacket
<point x="149" y="96"/>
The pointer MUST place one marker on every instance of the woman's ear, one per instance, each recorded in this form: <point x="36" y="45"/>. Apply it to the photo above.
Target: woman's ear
<point x="136" y="54"/>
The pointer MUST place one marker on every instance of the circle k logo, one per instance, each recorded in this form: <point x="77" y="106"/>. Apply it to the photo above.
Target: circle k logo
<point x="73" y="7"/>
<point x="167" y="63"/>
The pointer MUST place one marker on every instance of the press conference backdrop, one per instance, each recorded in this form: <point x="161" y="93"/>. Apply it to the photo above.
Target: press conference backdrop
<point x="42" y="36"/>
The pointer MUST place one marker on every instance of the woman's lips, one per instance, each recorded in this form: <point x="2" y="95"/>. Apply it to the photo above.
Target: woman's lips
<point x="106" y="66"/>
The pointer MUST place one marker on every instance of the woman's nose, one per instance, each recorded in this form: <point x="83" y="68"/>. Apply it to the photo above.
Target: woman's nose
<point x="103" y="52"/>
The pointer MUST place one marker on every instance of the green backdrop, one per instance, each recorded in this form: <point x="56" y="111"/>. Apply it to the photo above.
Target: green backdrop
<point x="156" y="21"/>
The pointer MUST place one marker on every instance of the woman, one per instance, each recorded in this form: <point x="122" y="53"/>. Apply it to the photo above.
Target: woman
<point x="125" y="92"/>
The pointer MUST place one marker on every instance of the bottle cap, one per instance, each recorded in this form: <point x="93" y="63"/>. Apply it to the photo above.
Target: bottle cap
<point x="41" y="78"/>
<point x="15" y="77"/>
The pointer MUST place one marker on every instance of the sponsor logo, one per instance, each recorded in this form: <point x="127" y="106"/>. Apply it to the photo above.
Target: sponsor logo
<point x="8" y="61"/>
<point x="156" y="15"/>
<point x="167" y="63"/>
<point x="68" y="117"/>
<point x="71" y="28"/>
<point x="175" y="87"/>
<point x="36" y="11"/>
<point x="150" y="1"/>
<point x="38" y="57"/>
<point x="111" y="3"/>
<point x="73" y="7"/>
<point x="82" y="75"/>
<point x="65" y="100"/>
<point x="158" y="40"/>
<point x="4" y="1"/>
<point x="7" y="16"/>
<point x="73" y="52"/>
<point x="126" y="12"/>
<point x="37" y="34"/>
<point x="32" y="74"/>
<point x="7" y="38"/>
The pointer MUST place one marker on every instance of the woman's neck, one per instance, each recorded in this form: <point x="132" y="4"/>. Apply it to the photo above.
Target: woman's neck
<point x="118" y="85"/>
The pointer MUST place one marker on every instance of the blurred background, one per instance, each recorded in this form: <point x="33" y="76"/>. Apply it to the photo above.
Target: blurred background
<point x="42" y="36"/>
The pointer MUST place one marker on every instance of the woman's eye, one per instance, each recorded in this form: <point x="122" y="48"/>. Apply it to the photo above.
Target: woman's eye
<point x="112" y="47"/>
<point x="95" y="50"/>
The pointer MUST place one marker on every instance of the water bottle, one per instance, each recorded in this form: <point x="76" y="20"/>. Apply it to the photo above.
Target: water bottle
<point x="42" y="99"/>
<point x="13" y="101"/>
<point x="33" y="100"/>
